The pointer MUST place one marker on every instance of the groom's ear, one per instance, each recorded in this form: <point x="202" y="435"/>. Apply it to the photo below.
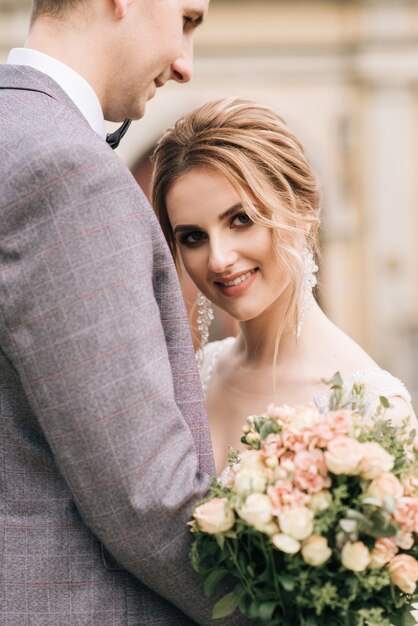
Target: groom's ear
<point x="121" y="7"/>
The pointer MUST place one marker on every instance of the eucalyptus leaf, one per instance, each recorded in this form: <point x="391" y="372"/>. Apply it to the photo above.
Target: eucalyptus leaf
<point x="225" y="606"/>
<point x="268" y="428"/>
<point x="212" y="580"/>
<point x="287" y="582"/>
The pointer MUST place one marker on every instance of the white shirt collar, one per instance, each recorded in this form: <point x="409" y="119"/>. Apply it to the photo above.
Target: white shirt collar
<point x="74" y="85"/>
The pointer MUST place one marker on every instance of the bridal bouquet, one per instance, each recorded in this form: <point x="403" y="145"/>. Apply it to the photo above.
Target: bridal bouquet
<point x="316" y="523"/>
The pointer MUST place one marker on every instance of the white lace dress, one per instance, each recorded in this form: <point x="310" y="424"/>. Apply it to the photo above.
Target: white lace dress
<point x="377" y="382"/>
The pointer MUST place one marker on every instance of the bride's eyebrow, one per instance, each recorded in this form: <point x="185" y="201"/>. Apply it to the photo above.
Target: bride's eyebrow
<point x="190" y="227"/>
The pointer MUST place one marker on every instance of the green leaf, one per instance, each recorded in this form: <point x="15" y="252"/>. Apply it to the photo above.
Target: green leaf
<point x="220" y="540"/>
<point x="384" y="401"/>
<point x="287" y="582"/>
<point x="403" y="618"/>
<point x="212" y="580"/>
<point x="266" y="610"/>
<point x="268" y="428"/>
<point x="225" y="606"/>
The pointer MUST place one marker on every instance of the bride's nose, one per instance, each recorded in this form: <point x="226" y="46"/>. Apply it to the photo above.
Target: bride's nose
<point x="222" y="256"/>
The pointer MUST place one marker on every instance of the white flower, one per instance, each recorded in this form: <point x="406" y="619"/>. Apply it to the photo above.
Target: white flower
<point x="285" y="543"/>
<point x="375" y="461"/>
<point x="249" y="481"/>
<point x="304" y="417"/>
<point x="315" y="550"/>
<point x="355" y="556"/>
<point x="296" y="522"/>
<point x="256" y="511"/>
<point x="320" y="501"/>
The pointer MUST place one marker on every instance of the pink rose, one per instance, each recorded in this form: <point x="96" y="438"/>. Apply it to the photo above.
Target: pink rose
<point x="311" y="473"/>
<point x="343" y="455"/>
<point x="385" y="485"/>
<point x="214" y="516"/>
<point x="403" y="571"/>
<point x="384" y="550"/>
<point x="375" y="461"/>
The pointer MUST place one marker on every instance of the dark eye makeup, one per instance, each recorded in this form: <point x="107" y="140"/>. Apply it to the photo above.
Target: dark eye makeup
<point x="193" y="238"/>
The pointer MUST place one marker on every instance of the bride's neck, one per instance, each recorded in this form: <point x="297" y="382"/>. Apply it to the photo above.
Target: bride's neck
<point x="257" y="338"/>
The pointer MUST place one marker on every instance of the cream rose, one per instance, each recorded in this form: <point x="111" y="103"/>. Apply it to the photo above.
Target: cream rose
<point x="296" y="522"/>
<point x="315" y="551"/>
<point x="355" y="556"/>
<point x="304" y="417"/>
<point x="285" y="543"/>
<point x="384" y="550"/>
<point x="256" y="511"/>
<point x="385" y="485"/>
<point x="343" y="455"/>
<point x="403" y="571"/>
<point x="214" y="516"/>
<point x="251" y="459"/>
<point x="375" y="461"/>
<point x="320" y="501"/>
<point x="248" y="481"/>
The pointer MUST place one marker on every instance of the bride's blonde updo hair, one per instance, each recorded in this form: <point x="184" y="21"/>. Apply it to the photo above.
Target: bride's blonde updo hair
<point x="254" y="149"/>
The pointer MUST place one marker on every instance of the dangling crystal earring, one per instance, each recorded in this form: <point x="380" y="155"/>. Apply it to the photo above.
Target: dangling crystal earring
<point x="205" y="316"/>
<point x="308" y="283"/>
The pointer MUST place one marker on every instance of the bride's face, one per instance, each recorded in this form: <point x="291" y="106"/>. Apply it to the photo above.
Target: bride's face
<point x="230" y="258"/>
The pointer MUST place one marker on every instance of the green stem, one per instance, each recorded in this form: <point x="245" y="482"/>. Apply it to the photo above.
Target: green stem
<point x="232" y="553"/>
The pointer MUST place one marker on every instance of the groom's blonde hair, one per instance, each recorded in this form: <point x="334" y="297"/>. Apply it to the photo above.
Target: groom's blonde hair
<point x="266" y="164"/>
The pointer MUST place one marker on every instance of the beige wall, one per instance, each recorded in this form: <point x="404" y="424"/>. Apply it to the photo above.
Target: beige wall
<point x="345" y="76"/>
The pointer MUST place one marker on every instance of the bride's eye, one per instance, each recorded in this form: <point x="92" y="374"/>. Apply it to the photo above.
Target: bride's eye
<point x="192" y="238"/>
<point x="241" y="219"/>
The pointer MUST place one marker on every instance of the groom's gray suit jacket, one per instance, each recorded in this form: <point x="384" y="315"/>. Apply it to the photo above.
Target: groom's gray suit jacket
<point x="104" y="444"/>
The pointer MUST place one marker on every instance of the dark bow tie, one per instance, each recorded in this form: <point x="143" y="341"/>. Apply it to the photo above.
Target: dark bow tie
<point x="113" y="139"/>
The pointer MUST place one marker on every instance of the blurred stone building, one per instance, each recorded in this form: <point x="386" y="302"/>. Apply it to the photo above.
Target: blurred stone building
<point x="344" y="74"/>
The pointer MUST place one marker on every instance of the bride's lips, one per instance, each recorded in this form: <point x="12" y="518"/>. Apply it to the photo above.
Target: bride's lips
<point x="237" y="284"/>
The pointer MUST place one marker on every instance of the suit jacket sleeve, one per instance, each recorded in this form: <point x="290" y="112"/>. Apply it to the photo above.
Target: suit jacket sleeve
<point x="82" y="326"/>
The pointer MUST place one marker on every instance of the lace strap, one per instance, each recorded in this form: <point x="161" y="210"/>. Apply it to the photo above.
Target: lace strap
<point x="210" y="355"/>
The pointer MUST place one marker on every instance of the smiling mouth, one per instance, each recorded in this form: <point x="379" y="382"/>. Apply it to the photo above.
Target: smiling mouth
<point x="236" y="281"/>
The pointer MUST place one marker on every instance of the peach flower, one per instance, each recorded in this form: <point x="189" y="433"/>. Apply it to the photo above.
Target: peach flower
<point x="384" y="550"/>
<point x="403" y="571"/>
<point x="385" y="485"/>
<point x="214" y="516"/>
<point x="343" y="455"/>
